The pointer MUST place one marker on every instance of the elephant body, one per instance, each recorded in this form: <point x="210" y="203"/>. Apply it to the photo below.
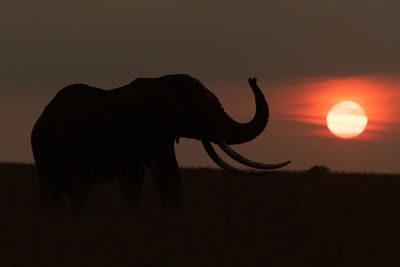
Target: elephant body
<point x="86" y="135"/>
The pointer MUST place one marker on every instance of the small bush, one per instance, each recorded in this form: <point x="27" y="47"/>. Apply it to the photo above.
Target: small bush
<point x="319" y="169"/>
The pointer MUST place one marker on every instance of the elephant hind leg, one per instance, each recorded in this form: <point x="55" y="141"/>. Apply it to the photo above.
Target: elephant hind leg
<point x="77" y="187"/>
<point x="50" y="185"/>
<point x="50" y="193"/>
<point x="77" y="196"/>
<point x="165" y="171"/>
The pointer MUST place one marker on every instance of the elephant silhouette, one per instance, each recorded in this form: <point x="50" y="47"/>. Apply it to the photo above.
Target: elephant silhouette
<point x="87" y="135"/>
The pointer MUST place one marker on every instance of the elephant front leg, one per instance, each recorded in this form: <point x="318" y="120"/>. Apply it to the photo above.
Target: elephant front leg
<point x="131" y="182"/>
<point x="165" y="171"/>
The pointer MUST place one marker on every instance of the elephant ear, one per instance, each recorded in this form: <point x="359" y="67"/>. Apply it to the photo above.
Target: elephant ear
<point x="166" y="107"/>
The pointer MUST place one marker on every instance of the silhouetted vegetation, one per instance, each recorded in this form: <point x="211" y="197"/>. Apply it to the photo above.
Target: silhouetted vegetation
<point x="284" y="219"/>
<point x="319" y="169"/>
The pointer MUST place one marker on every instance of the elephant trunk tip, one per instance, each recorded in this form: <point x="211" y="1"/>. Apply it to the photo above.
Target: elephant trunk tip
<point x="237" y="133"/>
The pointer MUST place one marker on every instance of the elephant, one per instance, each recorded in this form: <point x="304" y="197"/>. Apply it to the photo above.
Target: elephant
<point x="87" y="135"/>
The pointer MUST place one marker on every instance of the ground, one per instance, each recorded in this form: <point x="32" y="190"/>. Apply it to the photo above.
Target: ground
<point x="283" y="219"/>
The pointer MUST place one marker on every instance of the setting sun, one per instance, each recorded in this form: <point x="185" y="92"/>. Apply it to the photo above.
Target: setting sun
<point x="346" y="119"/>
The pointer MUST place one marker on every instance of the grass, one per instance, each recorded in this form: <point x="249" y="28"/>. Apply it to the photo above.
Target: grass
<point x="284" y="219"/>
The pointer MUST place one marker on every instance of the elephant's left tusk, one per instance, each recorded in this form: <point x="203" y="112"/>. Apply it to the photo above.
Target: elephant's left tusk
<point x="239" y="158"/>
<point x="214" y="156"/>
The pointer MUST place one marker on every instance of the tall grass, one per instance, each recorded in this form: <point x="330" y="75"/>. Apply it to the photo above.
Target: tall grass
<point x="284" y="219"/>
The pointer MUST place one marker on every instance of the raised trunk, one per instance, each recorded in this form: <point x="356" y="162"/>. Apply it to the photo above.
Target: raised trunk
<point x="237" y="133"/>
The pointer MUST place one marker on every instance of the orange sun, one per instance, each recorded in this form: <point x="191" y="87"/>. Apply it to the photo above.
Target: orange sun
<point x="346" y="119"/>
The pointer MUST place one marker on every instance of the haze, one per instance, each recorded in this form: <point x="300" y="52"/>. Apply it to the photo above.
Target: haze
<point x="306" y="54"/>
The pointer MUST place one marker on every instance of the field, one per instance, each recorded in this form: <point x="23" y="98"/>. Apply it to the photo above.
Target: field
<point x="284" y="219"/>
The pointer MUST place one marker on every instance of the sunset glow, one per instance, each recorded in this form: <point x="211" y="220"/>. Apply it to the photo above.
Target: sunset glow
<point x="346" y="119"/>
<point x="308" y="101"/>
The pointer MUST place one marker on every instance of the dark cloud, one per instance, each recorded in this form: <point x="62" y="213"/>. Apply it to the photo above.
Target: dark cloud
<point x="104" y="42"/>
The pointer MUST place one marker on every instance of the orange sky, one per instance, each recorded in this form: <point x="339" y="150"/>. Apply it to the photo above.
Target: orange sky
<point x="297" y="129"/>
<point x="310" y="101"/>
<point x="308" y="55"/>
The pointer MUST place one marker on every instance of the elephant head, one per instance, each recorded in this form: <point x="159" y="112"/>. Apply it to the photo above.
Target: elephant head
<point x="188" y="109"/>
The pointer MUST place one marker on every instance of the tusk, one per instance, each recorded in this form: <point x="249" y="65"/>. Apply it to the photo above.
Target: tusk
<point x="214" y="156"/>
<point x="239" y="158"/>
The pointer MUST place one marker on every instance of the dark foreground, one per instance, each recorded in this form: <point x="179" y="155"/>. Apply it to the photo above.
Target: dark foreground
<point x="285" y="219"/>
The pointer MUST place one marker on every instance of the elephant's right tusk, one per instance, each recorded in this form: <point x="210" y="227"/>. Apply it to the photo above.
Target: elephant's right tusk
<point x="239" y="158"/>
<point x="214" y="156"/>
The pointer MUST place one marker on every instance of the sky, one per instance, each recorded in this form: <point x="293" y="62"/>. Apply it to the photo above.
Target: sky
<point x="307" y="55"/>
